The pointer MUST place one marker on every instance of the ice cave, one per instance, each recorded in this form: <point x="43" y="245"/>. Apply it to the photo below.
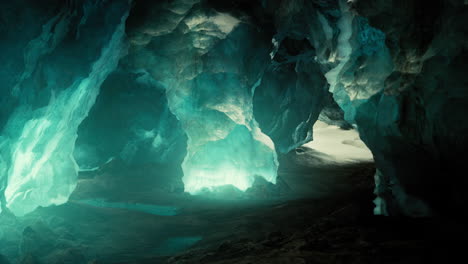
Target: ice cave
<point x="240" y="131"/>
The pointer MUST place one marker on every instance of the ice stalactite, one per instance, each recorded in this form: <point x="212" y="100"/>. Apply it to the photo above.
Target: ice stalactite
<point x="40" y="168"/>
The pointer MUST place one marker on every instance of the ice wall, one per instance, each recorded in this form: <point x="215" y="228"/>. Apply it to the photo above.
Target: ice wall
<point x="395" y="68"/>
<point x="210" y="64"/>
<point x="219" y="88"/>
<point x="346" y="50"/>
<point x="289" y="98"/>
<point x="38" y="140"/>
<point x="142" y="129"/>
<point x="225" y="143"/>
<point x="360" y="64"/>
<point x="416" y="126"/>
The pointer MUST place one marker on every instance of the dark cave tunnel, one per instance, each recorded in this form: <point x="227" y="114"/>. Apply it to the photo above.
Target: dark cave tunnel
<point x="263" y="131"/>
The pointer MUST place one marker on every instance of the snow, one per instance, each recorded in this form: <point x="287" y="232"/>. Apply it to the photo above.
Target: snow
<point x="340" y="146"/>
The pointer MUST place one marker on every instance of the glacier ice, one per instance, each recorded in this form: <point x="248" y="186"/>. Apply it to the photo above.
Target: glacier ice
<point x="225" y="144"/>
<point x="210" y="65"/>
<point x="144" y="130"/>
<point x="209" y="90"/>
<point x="37" y="161"/>
<point x="289" y="98"/>
<point x="361" y="61"/>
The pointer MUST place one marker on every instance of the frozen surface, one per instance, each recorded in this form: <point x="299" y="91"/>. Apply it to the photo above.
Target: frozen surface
<point x="44" y="171"/>
<point x="362" y="62"/>
<point x="210" y="66"/>
<point x="213" y="93"/>
<point x="340" y="146"/>
<point x="145" y="208"/>
<point x="38" y="147"/>
<point x="174" y="245"/>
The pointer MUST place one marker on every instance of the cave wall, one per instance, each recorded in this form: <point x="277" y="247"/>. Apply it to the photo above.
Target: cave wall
<point x="192" y="82"/>
<point x="396" y="70"/>
<point x="48" y="91"/>
<point x="417" y="129"/>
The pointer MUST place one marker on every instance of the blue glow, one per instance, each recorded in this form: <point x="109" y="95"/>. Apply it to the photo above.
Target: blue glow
<point x="145" y="208"/>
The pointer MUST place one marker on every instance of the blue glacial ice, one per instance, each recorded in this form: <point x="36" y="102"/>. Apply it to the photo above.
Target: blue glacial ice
<point x="37" y="145"/>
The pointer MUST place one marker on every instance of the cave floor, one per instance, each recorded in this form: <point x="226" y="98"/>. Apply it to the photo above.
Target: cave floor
<point x="317" y="213"/>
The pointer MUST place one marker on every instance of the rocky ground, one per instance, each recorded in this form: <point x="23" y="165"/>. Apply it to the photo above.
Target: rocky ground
<point x="340" y="230"/>
<point x="317" y="213"/>
<point x="337" y="226"/>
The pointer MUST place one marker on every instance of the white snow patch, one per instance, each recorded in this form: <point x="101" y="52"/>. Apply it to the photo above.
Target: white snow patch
<point x="223" y="22"/>
<point x="344" y="146"/>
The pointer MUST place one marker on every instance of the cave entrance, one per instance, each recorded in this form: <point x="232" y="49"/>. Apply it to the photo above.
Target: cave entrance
<point x="335" y="144"/>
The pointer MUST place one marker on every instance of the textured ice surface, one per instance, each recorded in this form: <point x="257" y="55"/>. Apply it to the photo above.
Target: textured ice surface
<point x="142" y="129"/>
<point x="209" y="66"/>
<point x="202" y="88"/>
<point x="39" y="149"/>
<point x="362" y="61"/>
<point x="225" y="144"/>
<point x="289" y="98"/>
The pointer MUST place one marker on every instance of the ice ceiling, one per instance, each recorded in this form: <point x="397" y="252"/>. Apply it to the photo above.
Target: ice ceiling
<point x="215" y="89"/>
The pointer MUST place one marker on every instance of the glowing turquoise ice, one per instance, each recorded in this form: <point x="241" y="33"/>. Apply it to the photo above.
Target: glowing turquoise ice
<point x="43" y="171"/>
<point x="352" y="81"/>
<point x="214" y="102"/>
<point x="233" y="160"/>
<point x="145" y="208"/>
<point x="225" y="145"/>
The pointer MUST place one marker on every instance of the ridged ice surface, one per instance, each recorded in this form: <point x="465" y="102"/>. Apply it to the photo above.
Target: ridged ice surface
<point x="225" y="143"/>
<point x="42" y="169"/>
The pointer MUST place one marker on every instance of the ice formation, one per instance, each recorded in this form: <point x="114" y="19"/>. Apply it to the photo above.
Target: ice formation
<point x="225" y="144"/>
<point x="217" y="89"/>
<point x="39" y="143"/>
<point x="362" y="61"/>
<point x="227" y="96"/>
